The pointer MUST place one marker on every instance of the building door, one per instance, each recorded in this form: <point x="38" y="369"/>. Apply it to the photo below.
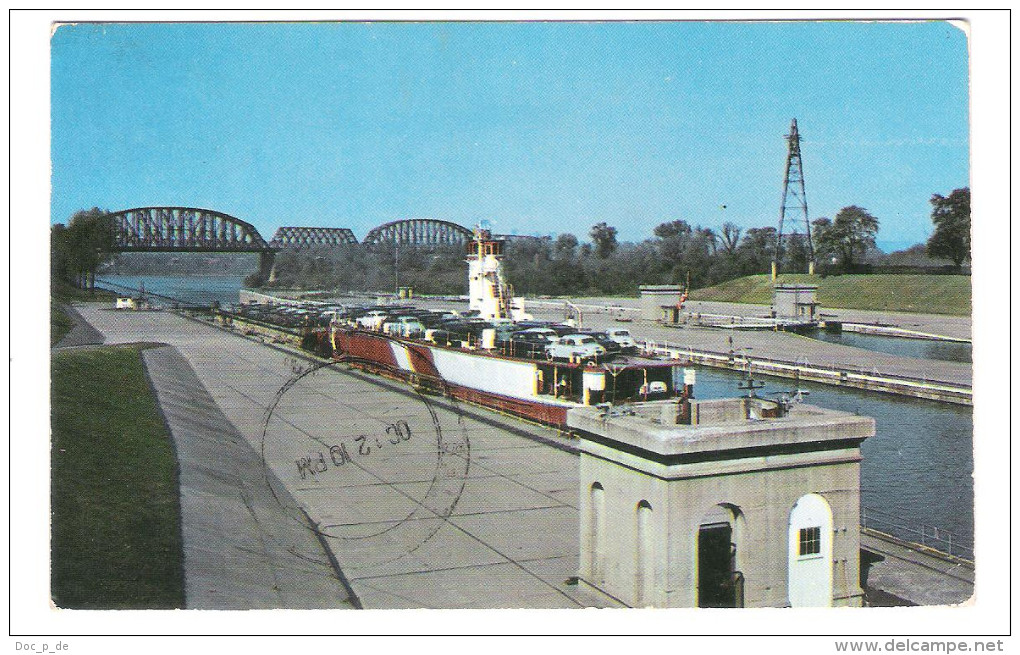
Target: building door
<point x="810" y="553"/>
<point x="716" y="557"/>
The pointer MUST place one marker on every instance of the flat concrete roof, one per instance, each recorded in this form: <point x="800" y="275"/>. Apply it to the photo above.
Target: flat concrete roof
<point x="805" y="424"/>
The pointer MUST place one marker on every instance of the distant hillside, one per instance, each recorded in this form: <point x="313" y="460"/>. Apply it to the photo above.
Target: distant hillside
<point x="926" y="294"/>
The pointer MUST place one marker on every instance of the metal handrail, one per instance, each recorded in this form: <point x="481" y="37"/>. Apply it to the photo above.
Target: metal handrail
<point x="829" y="368"/>
<point x="928" y="536"/>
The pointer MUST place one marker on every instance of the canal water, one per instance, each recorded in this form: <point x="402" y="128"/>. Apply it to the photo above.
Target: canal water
<point x="918" y="468"/>
<point x="948" y="351"/>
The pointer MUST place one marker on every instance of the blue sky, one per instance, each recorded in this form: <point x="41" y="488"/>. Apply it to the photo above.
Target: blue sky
<point x="540" y="128"/>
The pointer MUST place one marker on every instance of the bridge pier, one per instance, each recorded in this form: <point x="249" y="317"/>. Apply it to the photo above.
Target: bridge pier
<point x="267" y="266"/>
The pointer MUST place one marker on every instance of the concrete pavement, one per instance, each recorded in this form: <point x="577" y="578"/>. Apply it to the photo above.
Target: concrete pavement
<point x="241" y="550"/>
<point x="915" y="576"/>
<point x="955" y="327"/>
<point x="509" y="540"/>
<point x="472" y="510"/>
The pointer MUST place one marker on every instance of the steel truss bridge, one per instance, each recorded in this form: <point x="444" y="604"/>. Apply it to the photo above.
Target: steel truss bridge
<point x="183" y="229"/>
<point x="420" y="232"/>
<point x="304" y="237"/>
<point x="191" y="229"/>
<point x="188" y="229"/>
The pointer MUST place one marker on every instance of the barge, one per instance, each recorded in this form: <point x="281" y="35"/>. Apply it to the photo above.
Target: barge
<point x="483" y="368"/>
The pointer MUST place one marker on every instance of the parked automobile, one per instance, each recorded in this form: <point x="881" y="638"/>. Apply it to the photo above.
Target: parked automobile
<point x="403" y="326"/>
<point x="623" y="337"/>
<point x="613" y="347"/>
<point x="525" y="343"/>
<point x="549" y="333"/>
<point x="373" y="320"/>
<point x="575" y="346"/>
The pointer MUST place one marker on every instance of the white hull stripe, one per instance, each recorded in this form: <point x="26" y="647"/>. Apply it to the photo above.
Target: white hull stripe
<point x="401" y="356"/>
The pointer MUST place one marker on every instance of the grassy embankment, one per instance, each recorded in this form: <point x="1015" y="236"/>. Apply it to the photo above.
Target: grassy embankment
<point x="63" y="294"/>
<point x="116" y="540"/>
<point x="925" y="294"/>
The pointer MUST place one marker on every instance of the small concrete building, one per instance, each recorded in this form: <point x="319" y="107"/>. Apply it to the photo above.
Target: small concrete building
<point x="660" y="302"/>
<point x="795" y="302"/>
<point x="752" y="503"/>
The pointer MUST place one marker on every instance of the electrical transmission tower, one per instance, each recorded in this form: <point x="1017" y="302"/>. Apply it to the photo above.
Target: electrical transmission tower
<point x="794" y="201"/>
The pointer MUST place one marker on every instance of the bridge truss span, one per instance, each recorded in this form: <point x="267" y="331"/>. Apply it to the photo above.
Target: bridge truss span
<point x="420" y="232"/>
<point x="304" y="237"/>
<point x="185" y="229"/>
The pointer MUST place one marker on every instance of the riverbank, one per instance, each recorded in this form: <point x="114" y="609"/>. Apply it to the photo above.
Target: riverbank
<point x="63" y="318"/>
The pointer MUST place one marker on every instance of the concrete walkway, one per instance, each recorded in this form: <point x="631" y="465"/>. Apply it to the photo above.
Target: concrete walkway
<point x="241" y="550"/>
<point x="81" y="334"/>
<point x="918" y="577"/>
<point x="496" y="530"/>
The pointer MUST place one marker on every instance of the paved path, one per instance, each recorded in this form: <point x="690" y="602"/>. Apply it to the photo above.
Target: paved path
<point x="81" y="334"/>
<point x="241" y="550"/>
<point x="510" y="540"/>
<point x="915" y="576"/>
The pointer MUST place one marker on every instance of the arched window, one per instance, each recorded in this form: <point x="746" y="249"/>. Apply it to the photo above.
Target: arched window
<point x="644" y="575"/>
<point x="598" y="533"/>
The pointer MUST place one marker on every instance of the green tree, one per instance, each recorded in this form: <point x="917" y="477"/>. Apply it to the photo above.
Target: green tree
<point x="708" y="236"/>
<point x="604" y="237"/>
<point x="754" y="254"/>
<point x="677" y="228"/>
<point x="797" y="253"/>
<point x="86" y="242"/>
<point x="951" y="217"/>
<point x="729" y="236"/>
<point x="565" y="246"/>
<point x="60" y="259"/>
<point x="848" y="237"/>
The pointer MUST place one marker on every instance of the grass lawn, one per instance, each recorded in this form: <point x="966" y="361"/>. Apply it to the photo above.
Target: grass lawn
<point x="926" y="294"/>
<point x="116" y="540"/>
<point x="60" y="323"/>
<point x="62" y="293"/>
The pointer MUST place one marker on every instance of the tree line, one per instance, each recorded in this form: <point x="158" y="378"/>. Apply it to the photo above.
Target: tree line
<point x="565" y="265"/>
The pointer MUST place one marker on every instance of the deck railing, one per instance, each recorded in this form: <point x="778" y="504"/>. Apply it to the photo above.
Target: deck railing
<point x="927" y="536"/>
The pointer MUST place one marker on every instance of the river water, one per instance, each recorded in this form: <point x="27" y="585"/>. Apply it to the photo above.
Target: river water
<point x="919" y="465"/>
<point x="948" y="351"/>
<point x="199" y="290"/>
<point x="917" y="468"/>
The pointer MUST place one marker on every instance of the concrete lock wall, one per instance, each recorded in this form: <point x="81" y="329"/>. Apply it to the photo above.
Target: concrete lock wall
<point x="654" y="297"/>
<point x="759" y="502"/>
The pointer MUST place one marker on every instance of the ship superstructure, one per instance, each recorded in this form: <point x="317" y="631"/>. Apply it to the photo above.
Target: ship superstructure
<point x="496" y="356"/>
<point x="488" y="293"/>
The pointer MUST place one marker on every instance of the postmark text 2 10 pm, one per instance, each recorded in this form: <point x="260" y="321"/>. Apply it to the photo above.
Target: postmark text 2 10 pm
<point x="365" y="445"/>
